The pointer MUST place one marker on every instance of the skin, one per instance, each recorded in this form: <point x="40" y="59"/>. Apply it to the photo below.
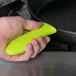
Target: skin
<point x="13" y="27"/>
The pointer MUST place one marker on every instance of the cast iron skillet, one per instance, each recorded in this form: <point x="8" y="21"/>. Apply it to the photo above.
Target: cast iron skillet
<point x="59" y="13"/>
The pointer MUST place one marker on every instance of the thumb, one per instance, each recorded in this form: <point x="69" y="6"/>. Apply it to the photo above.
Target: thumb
<point x="32" y="25"/>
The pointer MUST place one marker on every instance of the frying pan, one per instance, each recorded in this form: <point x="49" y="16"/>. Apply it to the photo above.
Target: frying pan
<point x="59" y="13"/>
<point x="9" y="9"/>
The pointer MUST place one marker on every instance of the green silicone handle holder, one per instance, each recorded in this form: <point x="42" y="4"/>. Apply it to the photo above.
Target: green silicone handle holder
<point x="17" y="46"/>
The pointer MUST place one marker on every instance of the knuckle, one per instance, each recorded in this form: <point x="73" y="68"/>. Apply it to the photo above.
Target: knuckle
<point x="44" y="45"/>
<point x="33" y="56"/>
<point x="27" y="59"/>
<point x="37" y="46"/>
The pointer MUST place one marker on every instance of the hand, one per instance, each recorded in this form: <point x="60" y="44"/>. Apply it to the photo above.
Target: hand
<point x="13" y="27"/>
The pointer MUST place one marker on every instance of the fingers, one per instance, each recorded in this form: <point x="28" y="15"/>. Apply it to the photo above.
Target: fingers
<point x="32" y="25"/>
<point x="36" y="47"/>
<point x="27" y="55"/>
<point x="47" y="39"/>
<point x="39" y="45"/>
<point x="43" y="42"/>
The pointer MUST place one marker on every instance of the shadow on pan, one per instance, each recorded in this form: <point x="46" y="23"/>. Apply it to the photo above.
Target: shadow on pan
<point x="59" y="13"/>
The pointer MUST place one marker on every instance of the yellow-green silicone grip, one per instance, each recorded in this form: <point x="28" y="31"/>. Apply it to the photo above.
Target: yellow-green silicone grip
<point x="17" y="46"/>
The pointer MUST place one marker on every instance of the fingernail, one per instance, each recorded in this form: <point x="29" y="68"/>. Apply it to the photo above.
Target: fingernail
<point x="33" y="38"/>
<point x="29" y="45"/>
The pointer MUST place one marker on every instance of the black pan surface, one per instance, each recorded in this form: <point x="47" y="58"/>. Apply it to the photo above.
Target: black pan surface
<point x="61" y="17"/>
